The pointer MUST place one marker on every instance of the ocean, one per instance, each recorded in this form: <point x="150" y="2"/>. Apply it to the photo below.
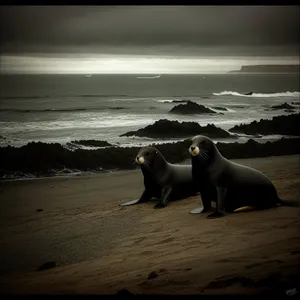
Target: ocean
<point x="62" y="108"/>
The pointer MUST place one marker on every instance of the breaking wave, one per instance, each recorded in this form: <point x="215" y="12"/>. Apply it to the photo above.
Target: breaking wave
<point x="262" y="95"/>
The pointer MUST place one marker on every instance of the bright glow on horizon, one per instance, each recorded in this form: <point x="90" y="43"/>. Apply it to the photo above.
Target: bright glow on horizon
<point x="126" y="64"/>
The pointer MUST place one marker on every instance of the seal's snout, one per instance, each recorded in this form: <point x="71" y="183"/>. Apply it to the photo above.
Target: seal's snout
<point x="140" y="160"/>
<point x="194" y="150"/>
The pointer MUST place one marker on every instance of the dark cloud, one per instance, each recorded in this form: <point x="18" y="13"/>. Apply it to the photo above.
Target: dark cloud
<point x="142" y="29"/>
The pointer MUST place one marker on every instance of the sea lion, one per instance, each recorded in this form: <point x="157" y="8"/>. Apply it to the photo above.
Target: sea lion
<point x="238" y="187"/>
<point x="166" y="181"/>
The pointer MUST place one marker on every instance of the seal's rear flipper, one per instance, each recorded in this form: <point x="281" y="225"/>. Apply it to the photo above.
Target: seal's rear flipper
<point x="197" y="210"/>
<point x="132" y="202"/>
<point x="244" y="209"/>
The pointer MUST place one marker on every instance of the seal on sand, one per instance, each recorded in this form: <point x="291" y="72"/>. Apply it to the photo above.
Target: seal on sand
<point x="237" y="186"/>
<point x="167" y="181"/>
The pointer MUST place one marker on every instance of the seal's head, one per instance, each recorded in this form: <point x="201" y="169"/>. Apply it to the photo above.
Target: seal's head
<point x="202" y="148"/>
<point x="146" y="155"/>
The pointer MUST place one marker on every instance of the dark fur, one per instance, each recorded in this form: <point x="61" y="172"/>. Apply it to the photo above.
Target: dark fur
<point x="243" y="186"/>
<point x="179" y="183"/>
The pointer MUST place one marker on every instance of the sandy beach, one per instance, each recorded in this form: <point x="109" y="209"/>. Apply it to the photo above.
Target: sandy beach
<point x="101" y="248"/>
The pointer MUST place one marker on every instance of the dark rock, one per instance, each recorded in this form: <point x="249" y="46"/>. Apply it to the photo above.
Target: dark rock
<point x="268" y="69"/>
<point x="39" y="209"/>
<point x="39" y="158"/>
<point x="255" y="149"/>
<point x="180" y="101"/>
<point x="282" y="106"/>
<point x="248" y="94"/>
<point x="2" y="137"/>
<point x="93" y="143"/>
<point x="124" y="292"/>
<point x="174" y="129"/>
<point x="238" y="106"/>
<point x="118" y="107"/>
<point x="152" y="275"/>
<point x="191" y="108"/>
<point x="47" y="265"/>
<point x="285" y="125"/>
<point x="296" y="103"/>
<point x="220" y="108"/>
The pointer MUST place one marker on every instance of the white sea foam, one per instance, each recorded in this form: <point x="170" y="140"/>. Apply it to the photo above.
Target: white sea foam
<point x="261" y="95"/>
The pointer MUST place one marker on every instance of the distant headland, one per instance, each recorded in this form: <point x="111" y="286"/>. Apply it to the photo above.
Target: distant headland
<point x="268" y="69"/>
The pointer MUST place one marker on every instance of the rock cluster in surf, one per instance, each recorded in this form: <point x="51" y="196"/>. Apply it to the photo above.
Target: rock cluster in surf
<point x="191" y="108"/>
<point x="174" y="129"/>
<point x="285" y="125"/>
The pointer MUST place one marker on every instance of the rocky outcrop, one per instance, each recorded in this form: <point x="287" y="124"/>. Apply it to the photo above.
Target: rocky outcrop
<point x="93" y="143"/>
<point x="40" y="158"/>
<point x="285" y="125"/>
<point x="191" y="108"/>
<point x="282" y="106"/>
<point x="174" y="129"/>
<point x="117" y="108"/>
<point x="269" y="69"/>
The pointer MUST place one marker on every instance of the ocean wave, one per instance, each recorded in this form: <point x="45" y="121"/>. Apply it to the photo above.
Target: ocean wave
<point x="60" y="110"/>
<point x="62" y="96"/>
<point x="262" y="95"/>
<point x="163" y="101"/>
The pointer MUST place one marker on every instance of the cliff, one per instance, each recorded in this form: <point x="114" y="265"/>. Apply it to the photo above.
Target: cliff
<point x="269" y="69"/>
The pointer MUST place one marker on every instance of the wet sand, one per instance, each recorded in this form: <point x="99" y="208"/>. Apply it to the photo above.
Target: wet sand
<point x="100" y="247"/>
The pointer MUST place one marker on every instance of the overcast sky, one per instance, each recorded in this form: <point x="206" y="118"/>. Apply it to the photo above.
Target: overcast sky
<point x="170" y="32"/>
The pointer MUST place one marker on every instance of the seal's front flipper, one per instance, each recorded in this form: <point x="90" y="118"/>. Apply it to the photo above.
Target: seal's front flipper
<point x="159" y="205"/>
<point x="215" y="215"/>
<point x="144" y="197"/>
<point x="132" y="202"/>
<point x="220" y="204"/>
<point x="201" y="210"/>
<point x="221" y="199"/>
<point x="198" y="210"/>
<point x="164" y="199"/>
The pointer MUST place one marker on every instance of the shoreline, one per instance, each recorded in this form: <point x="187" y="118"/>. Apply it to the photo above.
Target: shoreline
<point x="95" y="174"/>
<point x="102" y="248"/>
<point x="43" y="160"/>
